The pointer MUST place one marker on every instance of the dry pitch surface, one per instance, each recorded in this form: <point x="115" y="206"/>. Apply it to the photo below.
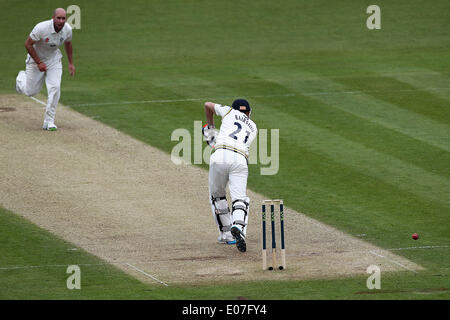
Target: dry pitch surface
<point x="127" y="203"/>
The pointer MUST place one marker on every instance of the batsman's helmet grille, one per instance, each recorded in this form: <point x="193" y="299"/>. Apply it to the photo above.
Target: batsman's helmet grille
<point x="241" y="105"/>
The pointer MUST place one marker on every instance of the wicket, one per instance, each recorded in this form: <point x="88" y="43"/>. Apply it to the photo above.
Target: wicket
<point x="274" y="245"/>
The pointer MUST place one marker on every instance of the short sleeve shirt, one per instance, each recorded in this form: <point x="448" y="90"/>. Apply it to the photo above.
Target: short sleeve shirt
<point x="237" y="131"/>
<point x="48" y="40"/>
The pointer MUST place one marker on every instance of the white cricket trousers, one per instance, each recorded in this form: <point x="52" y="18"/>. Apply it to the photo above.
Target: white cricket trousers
<point x="228" y="167"/>
<point x="30" y="82"/>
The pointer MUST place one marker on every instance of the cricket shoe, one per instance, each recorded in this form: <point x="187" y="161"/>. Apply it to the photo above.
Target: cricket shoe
<point x="49" y="126"/>
<point x="240" y="238"/>
<point x="226" y="238"/>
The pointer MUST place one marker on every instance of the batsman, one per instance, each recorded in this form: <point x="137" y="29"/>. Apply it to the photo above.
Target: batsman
<point x="229" y="165"/>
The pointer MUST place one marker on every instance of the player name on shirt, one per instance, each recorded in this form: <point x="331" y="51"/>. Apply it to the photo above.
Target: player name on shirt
<point x="244" y="119"/>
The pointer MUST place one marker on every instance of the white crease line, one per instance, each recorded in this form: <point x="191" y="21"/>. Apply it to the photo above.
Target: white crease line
<point x="38" y="101"/>
<point x="148" y="275"/>
<point x="172" y="100"/>
<point x="390" y="249"/>
<point x="86" y="264"/>
<point x="49" y="266"/>
<point x="260" y="96"/>
<point x="422" y="247"/>
<point x="89" y="265"/>
<point x="119" y="263"/>
<point x="393" y="261"/>
<point x="370" y="91"/>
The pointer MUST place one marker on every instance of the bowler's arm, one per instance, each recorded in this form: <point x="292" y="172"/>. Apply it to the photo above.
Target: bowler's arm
<point x="68" y="47"/>
<point x="29" y="46"/>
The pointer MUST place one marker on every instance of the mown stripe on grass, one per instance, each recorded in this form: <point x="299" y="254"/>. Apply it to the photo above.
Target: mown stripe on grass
<point x="369" y="134"/>
<point x="426" y="78"/>
<point x="367" y="161"/>
<point x="369" y="108"/>
<point x="34" y="263"/>
<point x="420" y="100"/>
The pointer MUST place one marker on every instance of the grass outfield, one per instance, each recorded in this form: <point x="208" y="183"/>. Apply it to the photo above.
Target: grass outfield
<point x="34" y="266"/>
<point x="363" y="118"/>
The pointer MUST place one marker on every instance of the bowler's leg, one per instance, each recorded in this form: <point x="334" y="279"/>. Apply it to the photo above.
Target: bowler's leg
<point x="53" y="83"/>
<point x="30" y="82"/>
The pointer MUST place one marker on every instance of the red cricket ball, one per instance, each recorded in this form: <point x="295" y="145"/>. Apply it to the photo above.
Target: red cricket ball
<point x="415" y="236"/>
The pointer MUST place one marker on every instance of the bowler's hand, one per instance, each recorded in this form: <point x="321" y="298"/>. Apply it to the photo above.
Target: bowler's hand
<point x="42" y="67"/>
<point x="71" y="69"/>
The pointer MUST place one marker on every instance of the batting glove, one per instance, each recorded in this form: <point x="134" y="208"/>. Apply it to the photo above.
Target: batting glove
<point x="209" y="133"/>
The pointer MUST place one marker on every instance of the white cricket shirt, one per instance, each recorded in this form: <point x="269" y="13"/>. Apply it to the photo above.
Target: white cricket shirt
<point x="236" y="132"/>
<point x="48" y="40"/>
